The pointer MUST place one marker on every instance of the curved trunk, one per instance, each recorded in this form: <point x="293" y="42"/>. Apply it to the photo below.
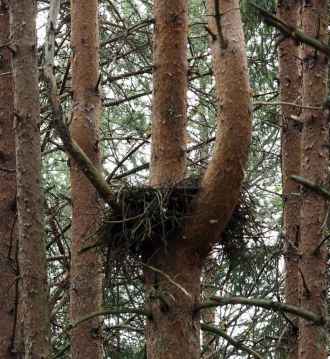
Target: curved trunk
<point x="221" y="184"/>
<point x="173" y="271"/>
<point x="32" y="253"/>
<point x="8" y="240"/>
<point x="315" y="155"/>
<point x="86" y="268"/>
<point x="290" y="75"/>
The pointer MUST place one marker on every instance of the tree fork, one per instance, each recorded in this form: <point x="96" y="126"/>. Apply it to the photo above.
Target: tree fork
<point x="174" y="329"/>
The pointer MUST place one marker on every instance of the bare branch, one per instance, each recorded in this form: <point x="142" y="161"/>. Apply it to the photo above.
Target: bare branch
<point x="266" y="304"/>
<point x="312" y="186"/>
<point x="230" y="340"/>
<point x="291" y="31"/>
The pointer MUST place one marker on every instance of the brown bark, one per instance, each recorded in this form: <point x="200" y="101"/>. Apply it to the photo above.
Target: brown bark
<point x="32" y="255"/>
<point x="208" y="316"/>
<point x="8" y="240"/>
<point x="221" y="184"/>
<point x="290" y="75"/>
<point x="169" y="92"/>
<point x="315" y="154"/>
<point x="86" y="279"/>
<point x="173" y="271"/>
<point x="174" y="330"/>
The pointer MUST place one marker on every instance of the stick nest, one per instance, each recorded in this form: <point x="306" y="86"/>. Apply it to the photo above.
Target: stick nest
<point x="145" y="215"/>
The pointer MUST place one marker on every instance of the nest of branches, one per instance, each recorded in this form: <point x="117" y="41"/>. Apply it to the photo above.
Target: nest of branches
<point x="145" y="216"/>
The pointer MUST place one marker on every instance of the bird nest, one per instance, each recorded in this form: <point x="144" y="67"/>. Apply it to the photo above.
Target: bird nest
<point x="147" y="217"/>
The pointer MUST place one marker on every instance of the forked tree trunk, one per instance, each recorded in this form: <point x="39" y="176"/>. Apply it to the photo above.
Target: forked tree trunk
<point x="8" y="240"/>
<point x="173" y="269"/>
<point x="32" y="253"/>
<point x="290" y="75"/>
<point x="86" y="268"/>
<point x="315" y="155"/>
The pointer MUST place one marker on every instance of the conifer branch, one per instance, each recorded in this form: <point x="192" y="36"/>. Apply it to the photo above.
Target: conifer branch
<point x="291" y="31"/>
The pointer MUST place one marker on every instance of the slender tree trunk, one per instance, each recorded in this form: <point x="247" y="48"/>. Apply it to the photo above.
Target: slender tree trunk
<point x="173" y="331"/>
<point x="290" y="75"/>
<point x="32" y="254"/>
<point x="315" y="154"/>
<point x="86" y="268"/>
<point x="169" y="115"/>
<point x="8" y="240"/>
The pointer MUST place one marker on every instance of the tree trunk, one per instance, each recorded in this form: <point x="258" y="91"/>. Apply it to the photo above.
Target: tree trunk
<point x="173" y="270"/>
<point x="169" y="115"/>
<point x="315" y="154"/>
<point x="8" y="240"/>
<point x="209" y="315"/>
<point x="32" y="254"/>
<point x="290" y="75"/>
<point x="86" y="268"/>
<point x="174" y="330"/>
<point x="221" y="184"/>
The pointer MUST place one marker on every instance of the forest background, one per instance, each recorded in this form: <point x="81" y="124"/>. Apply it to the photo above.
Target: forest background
<point x="248" y="261"/>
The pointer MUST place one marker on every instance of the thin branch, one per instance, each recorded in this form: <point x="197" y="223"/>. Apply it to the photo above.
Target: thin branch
<point x="7" y="170"/>
<point x="266" y="304"/>
<point x="110" y="103"/>
<point x="230" y="340"/>
<point x="6" y="74"/>
<point x="168" y="278"/>
<point x="106" y="311"/>
<point x="146" y="166"/>
<point x="322" y="191"/>
<point x="317" y="249"/>
<point x="126" y="157"/>
<point x="94" y="175"/>
<point x="85" y="164"/>
<point x="282" y="103"/>
<point x="291" y="31"/>
<point x="127" y="328"/>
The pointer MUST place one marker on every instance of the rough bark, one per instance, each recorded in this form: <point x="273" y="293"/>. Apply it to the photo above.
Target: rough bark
<point x="209" y="316"/>
<point x="290" y="76"/>
<point x="315" y="154"/>
<point x="86" y="279"/>
<point x="221" y="184"/>
<point x="32" y="255"/>
<point x="8" y="240"/>
<point x="169" y="92"/>
<point x="174" y="330"/>
<point x="173" y="271"/>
